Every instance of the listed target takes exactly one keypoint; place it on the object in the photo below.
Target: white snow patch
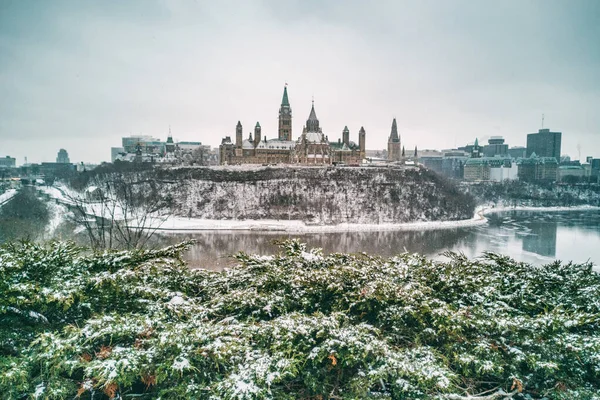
(6, 196)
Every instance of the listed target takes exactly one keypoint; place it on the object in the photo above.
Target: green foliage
(296, 325)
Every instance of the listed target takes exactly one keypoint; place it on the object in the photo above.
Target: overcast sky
(80, 75)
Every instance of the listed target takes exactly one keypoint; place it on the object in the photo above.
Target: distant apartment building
(147, 144)
(490, 169)
(495, 147)
(453, 163)
(544, 144)
(62, 157)
(449, 163)
(144, 148)
(8, 162)
(594, 167)
(537, 168)
(567, 172)
(432, 159)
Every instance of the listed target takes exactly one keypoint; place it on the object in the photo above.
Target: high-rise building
(544, 144)
(394, 149)
(62, 157)
(8, 161)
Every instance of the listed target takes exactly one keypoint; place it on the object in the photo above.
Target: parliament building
(311, 148)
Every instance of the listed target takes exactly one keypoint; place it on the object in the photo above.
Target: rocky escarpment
(314, 195)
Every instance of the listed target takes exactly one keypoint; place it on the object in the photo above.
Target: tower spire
(285, 117)
(284, 100)
(394, 134)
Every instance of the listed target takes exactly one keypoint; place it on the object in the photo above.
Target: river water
(536, 237)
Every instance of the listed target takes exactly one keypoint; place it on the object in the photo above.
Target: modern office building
(8, 162)
(495, 147)
(544, 143)
(517, 152)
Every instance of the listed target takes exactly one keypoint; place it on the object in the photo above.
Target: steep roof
(394, 134)
(313, 114)
(284, 100)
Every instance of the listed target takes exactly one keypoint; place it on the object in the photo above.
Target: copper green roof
(285, 101)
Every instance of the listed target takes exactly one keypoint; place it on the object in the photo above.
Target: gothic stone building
(311, 148)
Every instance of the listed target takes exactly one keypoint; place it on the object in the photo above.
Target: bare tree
(120, 210)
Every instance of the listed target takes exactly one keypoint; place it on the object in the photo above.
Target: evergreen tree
(142, 325)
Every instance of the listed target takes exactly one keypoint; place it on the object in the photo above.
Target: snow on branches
(300, 324)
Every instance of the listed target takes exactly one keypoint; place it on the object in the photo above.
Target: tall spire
(394, 134)
(285, 117)
(313, 114)
(285, 101)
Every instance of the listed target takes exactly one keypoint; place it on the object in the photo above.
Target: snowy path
(6, 196)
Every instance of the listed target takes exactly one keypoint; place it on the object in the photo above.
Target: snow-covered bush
(299, 324)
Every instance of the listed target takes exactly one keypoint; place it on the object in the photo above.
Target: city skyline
(80, 76)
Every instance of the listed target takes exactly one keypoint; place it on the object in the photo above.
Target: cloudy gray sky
(82, 74)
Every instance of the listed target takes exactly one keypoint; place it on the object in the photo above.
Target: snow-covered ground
(181, 224)
(6, 196)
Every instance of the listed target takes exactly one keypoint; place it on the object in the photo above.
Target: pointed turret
(257, 137)
(312, 123)
(362, 142)
(238, 135)
(346, 136)
(170, 145)
(394, 134)
(394, 151)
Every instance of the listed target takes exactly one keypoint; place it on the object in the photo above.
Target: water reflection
(535, 237)
(541, 239)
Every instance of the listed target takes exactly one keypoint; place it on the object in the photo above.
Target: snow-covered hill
(313, 195)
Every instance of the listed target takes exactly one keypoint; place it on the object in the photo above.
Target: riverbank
(180, 224)
(183, 225)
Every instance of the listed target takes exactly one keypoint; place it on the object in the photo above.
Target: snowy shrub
(297, 325)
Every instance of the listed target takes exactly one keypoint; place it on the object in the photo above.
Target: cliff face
(314, 195)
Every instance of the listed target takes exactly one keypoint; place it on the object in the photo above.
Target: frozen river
(532, 236)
